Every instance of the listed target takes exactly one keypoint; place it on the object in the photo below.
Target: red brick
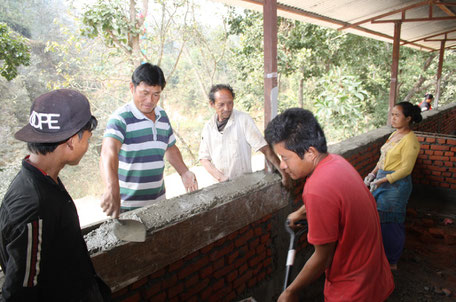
(450, 239)
(439, 169)
(244, 238)
(264, 238)
(258, 231)
(222, 272)
(240, 288)
(244, 229)
(243, 268)
(222, 252)
(207, 249)
(139, 283)
(453, 149)
(430, 139)
(175, 290)
(254, 261)
(121, 292)
(438, 153)
(420, 138)
(451, 180)
(206, 293)
(436, 232)
(219, 263)
(425, 147)
(233, 236)
(448, 164)
(444, 185)
(191, 281)
(193, 267)
(157, 274)
(441, 141)
(171, 281)
(451, 142)
(218, 285)
(191, 256)
(206, 272)
(443, 158)
(220, 295)
(427, 162)
(232, 257)
(436, 173)
(176, 265)
(252, 282)
(230, 297)
(220, 242)
(159, 298)
(440, 147)
(243, 279)
(231, 276)
(153, 289)
(449, 153)
(134, 298)
(195, 289)
(254, 243)
(266, 218)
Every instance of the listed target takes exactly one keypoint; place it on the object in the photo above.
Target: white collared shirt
(231, 150)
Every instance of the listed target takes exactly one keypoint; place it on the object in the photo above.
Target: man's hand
(288, 296)
(190, 182)
(110, 204)
(296, 216)
(377, 183)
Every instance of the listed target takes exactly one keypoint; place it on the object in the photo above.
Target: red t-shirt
(341, 209)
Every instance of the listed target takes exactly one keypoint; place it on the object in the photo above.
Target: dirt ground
(427, 268)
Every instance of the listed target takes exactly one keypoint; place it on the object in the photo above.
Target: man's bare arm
(174, 157)
(275, 161)
(216, 173)
(109, 164)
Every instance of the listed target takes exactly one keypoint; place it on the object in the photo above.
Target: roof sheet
(424, 23)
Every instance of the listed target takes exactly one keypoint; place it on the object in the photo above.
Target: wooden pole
(394, 69)
(439, 74)
(270, 60)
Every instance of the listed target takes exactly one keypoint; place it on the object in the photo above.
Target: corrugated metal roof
(424, 23)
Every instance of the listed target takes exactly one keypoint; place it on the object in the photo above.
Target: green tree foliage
(14, 52)
(342, 77)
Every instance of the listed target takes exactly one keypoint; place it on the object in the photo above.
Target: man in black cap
(42, 251)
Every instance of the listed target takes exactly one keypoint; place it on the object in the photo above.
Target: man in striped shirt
(138, 137)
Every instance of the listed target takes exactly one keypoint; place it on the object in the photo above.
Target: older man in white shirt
(228, 138)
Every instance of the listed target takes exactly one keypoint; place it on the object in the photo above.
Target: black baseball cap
(56, 116)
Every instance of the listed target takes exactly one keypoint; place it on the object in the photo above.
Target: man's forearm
(211, 169)
(271, 157)
(314, 267)
(174, 157)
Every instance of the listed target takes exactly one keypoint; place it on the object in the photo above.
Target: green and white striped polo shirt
(141, 157)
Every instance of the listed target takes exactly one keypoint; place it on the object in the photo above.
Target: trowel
(129, 230)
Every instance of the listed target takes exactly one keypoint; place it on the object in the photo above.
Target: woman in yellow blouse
(391, 182)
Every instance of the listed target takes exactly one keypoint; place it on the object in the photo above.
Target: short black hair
(45, 148)
(408, 109)
(428, 96)
(219, 87)
(298, 129)
(150, 74)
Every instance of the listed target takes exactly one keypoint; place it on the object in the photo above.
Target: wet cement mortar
(179, 208)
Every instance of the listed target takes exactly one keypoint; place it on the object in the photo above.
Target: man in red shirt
(343, 221)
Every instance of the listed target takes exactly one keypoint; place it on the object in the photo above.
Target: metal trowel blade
(129, 230)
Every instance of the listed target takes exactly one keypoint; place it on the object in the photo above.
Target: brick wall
(220, 271)
(436, 163)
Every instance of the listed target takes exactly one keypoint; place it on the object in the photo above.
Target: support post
(270, 60)
(394, 69)
(271, 90)
(439, 75)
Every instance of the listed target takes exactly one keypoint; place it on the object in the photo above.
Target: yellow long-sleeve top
(401, 157)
